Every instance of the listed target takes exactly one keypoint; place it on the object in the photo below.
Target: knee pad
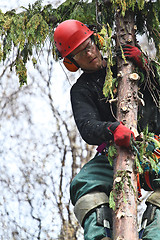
(95, 201)
(93, 213)
(154, 198)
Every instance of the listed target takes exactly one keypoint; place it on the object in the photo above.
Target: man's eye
(88, 46)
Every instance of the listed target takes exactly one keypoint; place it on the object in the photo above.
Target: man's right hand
(122, 134)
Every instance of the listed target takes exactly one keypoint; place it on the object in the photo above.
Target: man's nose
(89, 53)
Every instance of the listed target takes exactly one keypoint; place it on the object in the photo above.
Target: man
(91, 187)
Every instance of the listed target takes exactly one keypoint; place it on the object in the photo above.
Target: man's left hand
(134, 54)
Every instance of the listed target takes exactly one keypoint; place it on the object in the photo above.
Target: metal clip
(104, 216)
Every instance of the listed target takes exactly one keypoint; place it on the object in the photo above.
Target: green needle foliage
(25, 33)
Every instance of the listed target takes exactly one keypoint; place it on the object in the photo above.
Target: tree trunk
(125, 182)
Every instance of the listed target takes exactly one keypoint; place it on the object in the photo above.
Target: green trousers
(97, 175)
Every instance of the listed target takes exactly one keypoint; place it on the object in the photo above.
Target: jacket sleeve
(87, 117)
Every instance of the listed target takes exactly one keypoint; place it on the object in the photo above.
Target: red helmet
(69, 35)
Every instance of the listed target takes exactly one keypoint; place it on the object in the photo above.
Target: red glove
(135, 54)
(121, 133)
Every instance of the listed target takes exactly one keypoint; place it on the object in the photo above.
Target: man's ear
(70, 65)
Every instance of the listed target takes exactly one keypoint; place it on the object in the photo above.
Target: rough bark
(125, 215)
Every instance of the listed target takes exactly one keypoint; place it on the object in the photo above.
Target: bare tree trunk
(125, 183)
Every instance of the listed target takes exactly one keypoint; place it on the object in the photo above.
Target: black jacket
(93, 114)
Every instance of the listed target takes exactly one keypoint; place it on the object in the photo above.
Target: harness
(145, 180)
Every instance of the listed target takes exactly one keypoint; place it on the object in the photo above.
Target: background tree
(41, 153)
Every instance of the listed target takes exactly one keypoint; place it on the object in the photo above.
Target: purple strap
(101, 147)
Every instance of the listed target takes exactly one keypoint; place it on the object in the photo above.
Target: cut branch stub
(134, 77)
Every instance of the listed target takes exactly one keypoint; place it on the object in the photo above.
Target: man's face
(88, 56)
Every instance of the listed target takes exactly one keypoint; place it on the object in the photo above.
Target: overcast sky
(16, 4)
